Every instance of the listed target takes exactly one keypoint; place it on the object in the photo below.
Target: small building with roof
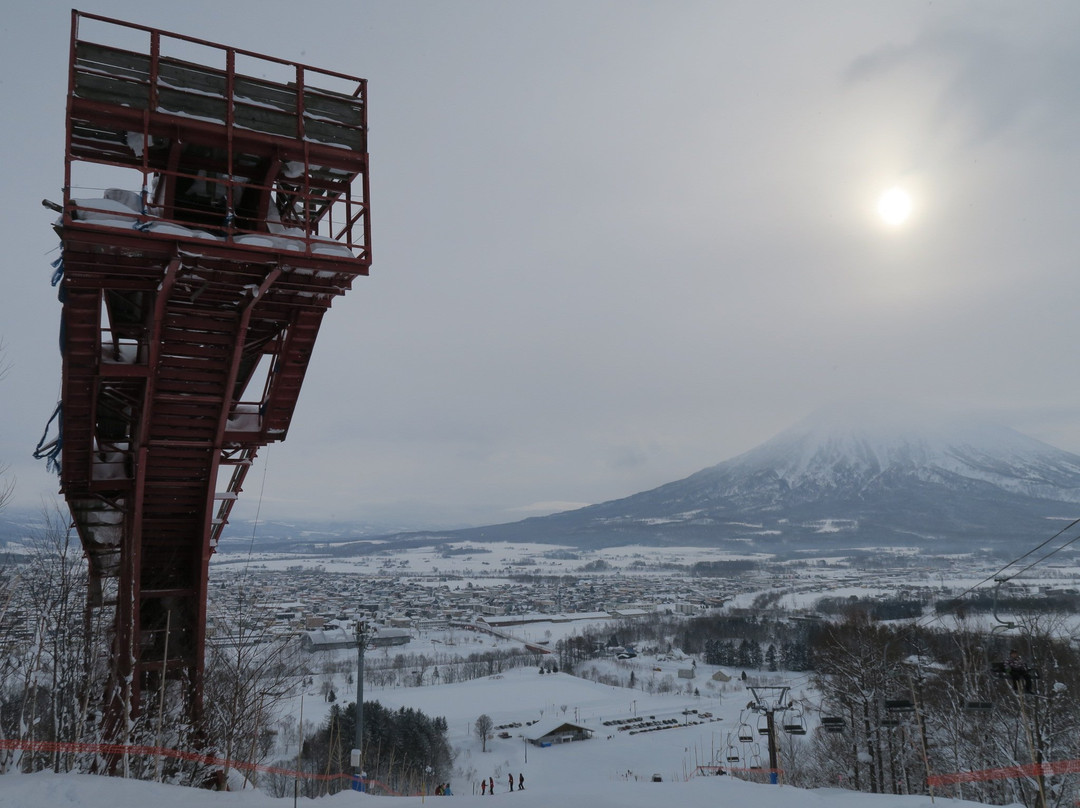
(327, 639)
(555, 730)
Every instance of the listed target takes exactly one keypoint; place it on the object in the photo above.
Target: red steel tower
(215, 204)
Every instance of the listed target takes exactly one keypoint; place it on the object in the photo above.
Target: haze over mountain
(836, 481)
(839, 480)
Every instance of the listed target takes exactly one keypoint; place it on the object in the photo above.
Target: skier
(510, 777)
(1019, 675)
(483, 787)
(491, 786)
(521, 782)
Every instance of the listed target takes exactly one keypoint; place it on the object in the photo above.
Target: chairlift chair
(794, 724)
(763, 725)
(832, 723)
(746, 734)
(1001, 671)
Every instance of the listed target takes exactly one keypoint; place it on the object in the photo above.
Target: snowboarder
(510, 777)
(491, 786)
(1019, 675)
(483, 787)
(521, 782)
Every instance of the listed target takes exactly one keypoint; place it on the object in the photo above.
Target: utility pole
(769, 700)
(358, 738)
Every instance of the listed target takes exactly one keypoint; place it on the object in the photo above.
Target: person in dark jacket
(510, 778)
(491, 786)
(1019, 675)
(521, 782)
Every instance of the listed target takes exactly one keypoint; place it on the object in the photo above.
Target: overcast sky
(617, 242)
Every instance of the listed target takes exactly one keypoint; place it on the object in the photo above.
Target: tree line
(403, 750)
(921, 701)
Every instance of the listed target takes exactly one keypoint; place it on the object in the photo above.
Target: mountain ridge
(832, 482)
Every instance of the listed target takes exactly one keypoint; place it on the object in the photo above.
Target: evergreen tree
(770, 658)
(398, 746)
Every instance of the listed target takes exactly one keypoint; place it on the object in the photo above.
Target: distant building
(334, 639)
(628, 613)
(545, 733)
(330, 639)
(383, 637)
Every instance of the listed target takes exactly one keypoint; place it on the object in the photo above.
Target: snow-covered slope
(830, 451)
(88, 791)
(604, 772)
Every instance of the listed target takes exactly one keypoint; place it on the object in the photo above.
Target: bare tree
(7, 481)
(7, 486)
(249, 674)
(482, 728)
(49, 669)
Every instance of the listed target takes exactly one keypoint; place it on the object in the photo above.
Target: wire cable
(997, 575)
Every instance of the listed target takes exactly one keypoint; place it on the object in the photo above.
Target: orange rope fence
(757, 774)
(112, 749)
(1005, 772)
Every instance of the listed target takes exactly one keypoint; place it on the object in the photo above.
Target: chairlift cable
(1037, 548)
(258, 506)
(998, 574)
(1052, 552)
(255, 524)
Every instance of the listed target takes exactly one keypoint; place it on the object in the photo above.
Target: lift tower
(215, 204)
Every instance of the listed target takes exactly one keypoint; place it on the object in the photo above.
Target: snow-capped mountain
(837, 480)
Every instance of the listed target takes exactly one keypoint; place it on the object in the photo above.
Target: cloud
(618, 243)
(544, 508)
(995, 76)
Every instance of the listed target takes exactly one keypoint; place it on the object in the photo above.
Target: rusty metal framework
(215, 204)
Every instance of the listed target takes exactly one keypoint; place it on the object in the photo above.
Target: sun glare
(894, 206)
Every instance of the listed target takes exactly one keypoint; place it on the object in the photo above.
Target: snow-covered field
(87, 791)
(612, 768)
(547, 559)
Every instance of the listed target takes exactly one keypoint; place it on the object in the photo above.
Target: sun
(894, 206)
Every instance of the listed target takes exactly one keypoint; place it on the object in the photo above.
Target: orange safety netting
(1005, 772)
(116, 750)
